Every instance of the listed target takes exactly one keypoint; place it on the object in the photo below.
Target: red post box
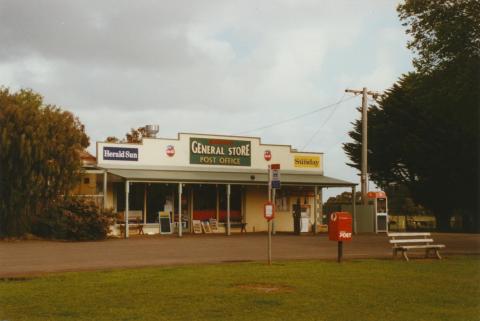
(340, 227)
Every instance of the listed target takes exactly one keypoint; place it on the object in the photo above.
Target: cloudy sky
(223, 67)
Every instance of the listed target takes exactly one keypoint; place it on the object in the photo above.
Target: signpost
(275, 176)
(269, 211)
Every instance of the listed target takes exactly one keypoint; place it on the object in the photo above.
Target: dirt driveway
(35, 257)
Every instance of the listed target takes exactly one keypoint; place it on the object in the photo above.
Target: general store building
(210, 177)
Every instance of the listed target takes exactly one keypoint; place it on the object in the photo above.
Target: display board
(165, 223)
(197, 226)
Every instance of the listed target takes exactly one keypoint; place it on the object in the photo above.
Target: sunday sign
(212, 151)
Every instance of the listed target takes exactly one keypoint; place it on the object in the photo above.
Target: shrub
(74, 219)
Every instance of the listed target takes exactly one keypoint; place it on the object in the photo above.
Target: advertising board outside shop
(302, 161)
(213, 151)
(120, 153)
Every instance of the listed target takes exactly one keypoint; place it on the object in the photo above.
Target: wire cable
(323, 124)
(296, 117)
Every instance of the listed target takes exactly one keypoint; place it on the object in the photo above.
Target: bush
(74, 219)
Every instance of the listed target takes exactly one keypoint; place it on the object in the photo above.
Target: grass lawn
(300, 290)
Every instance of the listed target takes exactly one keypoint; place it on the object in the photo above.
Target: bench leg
(404, 252)
(394, 253)
(438, 254)
(427, 252)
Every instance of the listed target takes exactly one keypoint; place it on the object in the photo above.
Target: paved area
(37, 257)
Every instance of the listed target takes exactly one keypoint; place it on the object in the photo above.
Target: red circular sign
(267, 155)
(170, 150)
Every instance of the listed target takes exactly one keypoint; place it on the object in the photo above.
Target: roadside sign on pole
(269, 211)
(275, 176)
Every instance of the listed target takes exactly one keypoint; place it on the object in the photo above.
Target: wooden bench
(235, 224)
(409, 241)
(135, 221)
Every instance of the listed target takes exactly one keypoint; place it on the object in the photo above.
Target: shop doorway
(164, 198)
(210, 202)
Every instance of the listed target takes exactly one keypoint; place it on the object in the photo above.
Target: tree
(134, 136)
(343, 198)
(443, 31)
(39, 157)
(423, 133)
(112, 139)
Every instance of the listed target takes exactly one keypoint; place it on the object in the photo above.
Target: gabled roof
(88, 160)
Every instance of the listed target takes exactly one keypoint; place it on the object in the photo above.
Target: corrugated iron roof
(237, 177)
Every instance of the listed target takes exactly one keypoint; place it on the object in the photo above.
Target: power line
(296, 117)
(323, 124)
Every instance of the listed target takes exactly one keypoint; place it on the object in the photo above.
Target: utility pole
(364, 168)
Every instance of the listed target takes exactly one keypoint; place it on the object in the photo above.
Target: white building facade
(211, 178)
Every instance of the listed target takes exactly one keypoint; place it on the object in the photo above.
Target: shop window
(161, 198)
(205, 197)
(204, 202)
(235, 197)
(135, 199)
(235, 203)
(381, 205)
(282, 203)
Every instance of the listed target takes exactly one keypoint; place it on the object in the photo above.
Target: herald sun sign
(269, 211)
(340, 226)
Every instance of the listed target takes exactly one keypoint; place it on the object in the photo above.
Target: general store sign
(307, 161)
(212, 151)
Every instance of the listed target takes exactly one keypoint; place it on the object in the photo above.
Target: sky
(215, 67)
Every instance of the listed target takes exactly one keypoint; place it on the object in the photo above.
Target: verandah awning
(240, 177)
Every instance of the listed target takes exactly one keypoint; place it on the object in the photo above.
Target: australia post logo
(345, 235)
(120, 153)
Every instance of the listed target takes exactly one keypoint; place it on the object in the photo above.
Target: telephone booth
(380, 206)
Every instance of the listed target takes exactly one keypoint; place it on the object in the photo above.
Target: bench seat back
(410, 241)
(408, 234)
(133, 216)
(405, 239)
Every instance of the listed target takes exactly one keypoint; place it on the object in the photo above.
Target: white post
(127, 192)
(145, 204)
(179, 210)
(105, 189)
(228, 209)
(190, 210)
(354, 210)
(274, 230)
(217, 204)
(320, 205)
(315, 210)
(269, 224)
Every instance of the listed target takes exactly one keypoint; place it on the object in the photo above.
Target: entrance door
(235, 203)
(210, 202)
(204, 202)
